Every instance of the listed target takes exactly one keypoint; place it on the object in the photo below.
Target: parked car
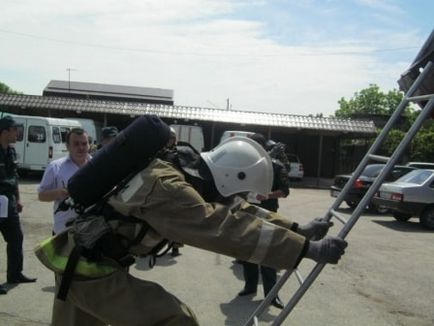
(363, 182)
(411, 195)
(421, 165)
(296, 171)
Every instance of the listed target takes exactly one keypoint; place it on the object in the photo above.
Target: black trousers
(10, 228)
(251, 277)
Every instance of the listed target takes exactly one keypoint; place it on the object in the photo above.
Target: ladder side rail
(379, 140)
(316, 270)
(270, 296)
(357, 212)
(360, 208)
(366, 159)
(374, 187)
(423, 116)
(373, 149)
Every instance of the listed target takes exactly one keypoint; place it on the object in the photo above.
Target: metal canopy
(297, 122)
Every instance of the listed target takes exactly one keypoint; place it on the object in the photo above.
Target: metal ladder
(348, 223)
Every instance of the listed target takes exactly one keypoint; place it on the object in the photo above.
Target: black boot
(175, 252)
(246, 292)
(277, 303)
(20, 278)
(3, 290)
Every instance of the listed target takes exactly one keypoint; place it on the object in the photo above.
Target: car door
(36, 147)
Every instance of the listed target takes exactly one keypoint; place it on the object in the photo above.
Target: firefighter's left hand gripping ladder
(424, 76)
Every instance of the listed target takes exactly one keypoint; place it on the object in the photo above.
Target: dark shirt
(9, 175)
(280, 182)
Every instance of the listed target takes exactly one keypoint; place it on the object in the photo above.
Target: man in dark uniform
(108, 134)
(280, 189)
(10, 226)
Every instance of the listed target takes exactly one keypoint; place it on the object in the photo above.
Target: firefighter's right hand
(326, 251)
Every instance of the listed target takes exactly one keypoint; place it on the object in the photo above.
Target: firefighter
(101, 291)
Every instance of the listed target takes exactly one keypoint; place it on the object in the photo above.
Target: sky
(293, 57)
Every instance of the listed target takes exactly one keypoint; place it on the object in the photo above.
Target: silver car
(411, 195)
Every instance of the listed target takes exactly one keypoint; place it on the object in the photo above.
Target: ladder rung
(420, 98)
(340, 217)
(379, 158)
(299, 276)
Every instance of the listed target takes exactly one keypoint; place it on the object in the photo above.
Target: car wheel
(352, 203)
(427, 218)
(379, 209)
(402, 217)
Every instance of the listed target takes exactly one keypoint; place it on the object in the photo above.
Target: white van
(41, 140)
(190, 134)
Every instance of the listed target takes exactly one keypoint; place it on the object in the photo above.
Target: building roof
(108, 91)
(190, 113)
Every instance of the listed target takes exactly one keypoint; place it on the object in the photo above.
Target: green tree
(422, 148)
(5, 89)
(369, 101)
(391, 142)
(372, 101)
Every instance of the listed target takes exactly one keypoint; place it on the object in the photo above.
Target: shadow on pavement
(48, 289)
(30, 177)
(9, 286)
(142, 263)
(409, 226)
(239, 309)
(237, 270)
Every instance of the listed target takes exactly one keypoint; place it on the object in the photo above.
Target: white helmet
(240, 164)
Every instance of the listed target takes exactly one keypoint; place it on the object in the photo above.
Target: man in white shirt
(56, 176)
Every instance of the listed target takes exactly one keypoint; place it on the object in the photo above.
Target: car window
(57, 138)
(372, 170)
(36, 134)
(63, 132)
(416, 176)
(20, 134)
(398, 172)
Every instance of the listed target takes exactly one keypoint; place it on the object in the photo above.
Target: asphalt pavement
(385, 278)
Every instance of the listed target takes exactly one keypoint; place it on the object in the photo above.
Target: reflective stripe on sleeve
(236, 203)
(265, 237)
(262, 213)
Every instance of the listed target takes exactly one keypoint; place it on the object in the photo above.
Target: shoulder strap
(69, 273)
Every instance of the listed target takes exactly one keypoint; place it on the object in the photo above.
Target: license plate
(335, 193)
(384, 195)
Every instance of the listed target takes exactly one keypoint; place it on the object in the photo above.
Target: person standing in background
(58, 172)
(280, 189)
(171, 146)
(10, 226)
(108, 134)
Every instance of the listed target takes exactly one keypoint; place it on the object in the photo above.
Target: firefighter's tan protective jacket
(160, 196)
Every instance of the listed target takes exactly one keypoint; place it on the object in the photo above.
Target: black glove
(326, 251)
(315, 229)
